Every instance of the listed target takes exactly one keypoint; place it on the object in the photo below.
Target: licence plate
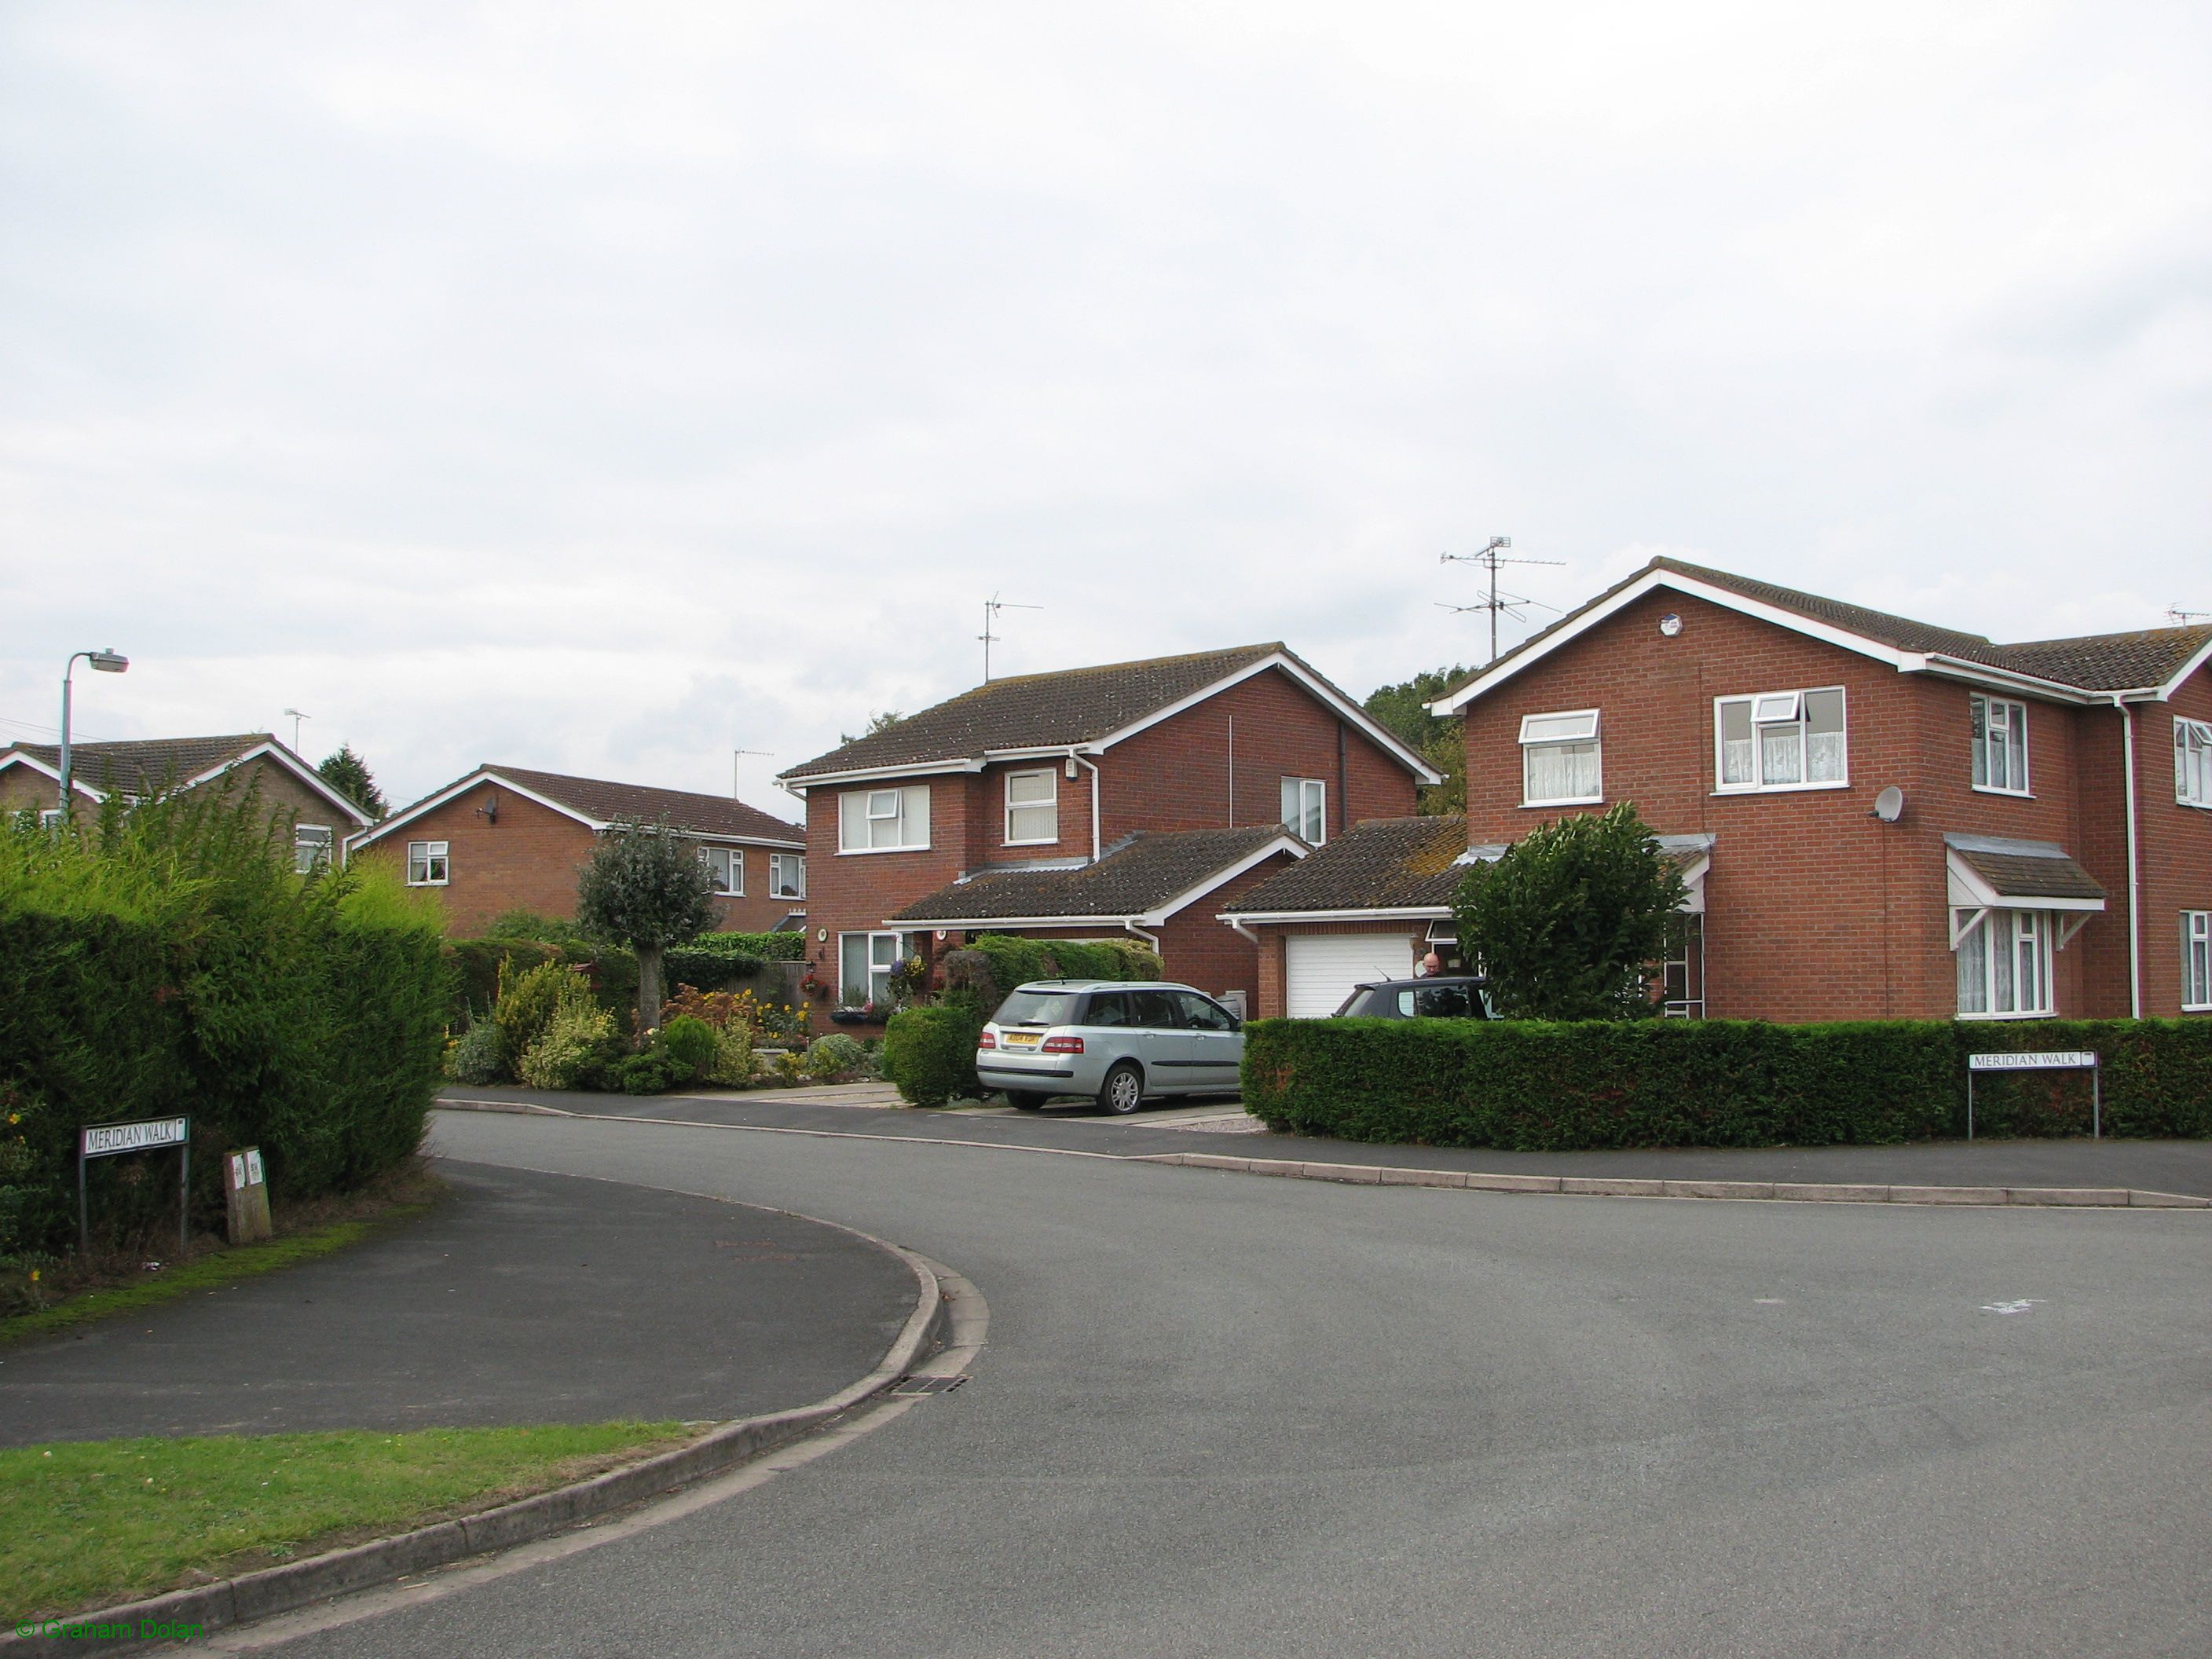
(1022, 1039)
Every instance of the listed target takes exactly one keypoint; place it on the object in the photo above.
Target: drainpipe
(1239, 924)
(1077, 760)
(2135, 928)
(1152, 939)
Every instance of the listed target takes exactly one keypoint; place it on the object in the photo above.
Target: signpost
(112, 1139)
(245, 1186)
(2050, 1060)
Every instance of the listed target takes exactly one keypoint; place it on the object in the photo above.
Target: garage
(1322, 967)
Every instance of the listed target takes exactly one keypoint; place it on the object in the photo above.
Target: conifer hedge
(1536, 1085)
(168, 959)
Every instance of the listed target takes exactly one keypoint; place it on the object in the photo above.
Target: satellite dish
(1889, 806)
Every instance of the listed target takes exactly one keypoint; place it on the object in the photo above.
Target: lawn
(86, 1524)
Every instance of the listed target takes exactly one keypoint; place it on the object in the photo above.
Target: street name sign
(2043, 1060)
(112, 1139)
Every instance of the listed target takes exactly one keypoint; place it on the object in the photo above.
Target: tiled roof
(2091, 662)
(1384, 864)
(144, 766)
(1037, 711)
(2024, 869)
(1134, 881)
(702, 815)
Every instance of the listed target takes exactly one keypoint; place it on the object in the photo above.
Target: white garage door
(1324, 967)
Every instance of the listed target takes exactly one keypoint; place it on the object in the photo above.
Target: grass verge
(87, 1524)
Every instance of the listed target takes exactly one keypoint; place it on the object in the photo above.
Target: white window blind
(882, 820)
(1560, 763)
(1032, 807)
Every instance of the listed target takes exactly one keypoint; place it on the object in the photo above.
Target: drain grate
(927, 1384)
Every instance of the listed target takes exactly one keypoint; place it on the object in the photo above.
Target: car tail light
(1063, 1045)
(987, 1041)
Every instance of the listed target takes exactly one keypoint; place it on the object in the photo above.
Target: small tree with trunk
(645, 886)
(348, 774)
(1570, 921)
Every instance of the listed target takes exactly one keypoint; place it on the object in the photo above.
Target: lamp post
(110, 661)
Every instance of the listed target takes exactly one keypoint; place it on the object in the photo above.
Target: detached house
(321, 818)
(1131, 800)
(511, 838)
(1876, 817)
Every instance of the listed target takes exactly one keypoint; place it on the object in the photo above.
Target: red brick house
(2052, 854)
(142, 768)
(1130, 800)
(511, 838)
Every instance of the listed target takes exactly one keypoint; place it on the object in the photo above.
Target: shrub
(1010, 960)
(930, 1053)
(643, 886)
(826, 1056)
(765, 947)
(651, 1073)
(575, 1048)
(1548, 1086)
(689, 1040)
(732, 1064)
(531, 927)
(526, 1005)
(475, 1057)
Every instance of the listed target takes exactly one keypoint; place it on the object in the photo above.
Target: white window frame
(1775, 703)
(2197, 962)
(1534, 736)
(436, 862)
(877, 969)
(1307, 797)
(1050, 802)
(904, 806)
(1984, 711)
(325, 853)
(730, 878)
(49, 817)
(780, 884)
(2193, 762)
(2031, 932)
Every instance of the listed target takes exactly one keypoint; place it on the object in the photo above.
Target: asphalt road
(1225, 1415)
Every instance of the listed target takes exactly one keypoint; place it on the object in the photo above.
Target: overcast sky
(607, 388)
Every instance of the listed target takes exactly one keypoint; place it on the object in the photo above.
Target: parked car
(1444, 996)
(1118, 1041)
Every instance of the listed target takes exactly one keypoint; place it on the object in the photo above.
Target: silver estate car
(1118, 1041)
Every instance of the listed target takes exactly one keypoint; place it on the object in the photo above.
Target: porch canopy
(1999, 873)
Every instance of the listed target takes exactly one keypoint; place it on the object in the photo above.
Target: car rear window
(1036, 1008)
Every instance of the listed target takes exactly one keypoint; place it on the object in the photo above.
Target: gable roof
(1150, 875)
(1383, 864)
(597, 802)
(2143, 665)
(1087, 708)
(142, 767)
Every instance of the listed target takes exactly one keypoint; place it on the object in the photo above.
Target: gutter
(1152, 939)
(1237, 923)
(2135, 923)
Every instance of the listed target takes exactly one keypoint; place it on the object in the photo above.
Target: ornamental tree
(1570, 921)
(348, 774)
(644, 887)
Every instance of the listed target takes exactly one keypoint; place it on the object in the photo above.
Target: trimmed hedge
(1015, 960)
(930, 1053)
(767, 947)
(1532, 1085)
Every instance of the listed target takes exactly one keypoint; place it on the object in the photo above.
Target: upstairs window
(311, 848)
(1780, 740)
(1999, 745)
(884, 820)
(2196, 960)
(1305, 809)
(2193, 762)
(2004, 966)
(425, 864)
(786, 875)
(1032, 808)
(1561, 764)
(727, 866)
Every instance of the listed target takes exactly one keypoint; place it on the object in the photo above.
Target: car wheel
(1022, 1101)
(1123, 1092)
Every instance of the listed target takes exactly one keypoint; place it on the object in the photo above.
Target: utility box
(246, 1190)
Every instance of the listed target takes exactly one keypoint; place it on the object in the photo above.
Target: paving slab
(520, 1298)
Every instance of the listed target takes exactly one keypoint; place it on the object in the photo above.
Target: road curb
(1787, 1192)
(297, 1583)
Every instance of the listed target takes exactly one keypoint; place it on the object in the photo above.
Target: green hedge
(1537, 1086)
(169, 960)
(930, 1053)
(769, 947)
(475, 964)
(1015, 961)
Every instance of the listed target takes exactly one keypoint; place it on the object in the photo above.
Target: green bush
(764, 947)
(930, 1053)
(1013, 961)
(691, 1040)
(1549, 1086)
(526, 1005)
(651, 1073)
(575, 1048)
(529, 925)
(826, 1056)
(475, 1058)
(732, 1064)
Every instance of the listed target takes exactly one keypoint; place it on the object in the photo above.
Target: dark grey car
(1444, 996)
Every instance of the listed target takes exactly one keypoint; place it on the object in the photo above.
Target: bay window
(1305, 809)
(1560, 761)
(2193, 762)
(2004, 965)
(1032, 807)
(2000, 742)
(2196, 960)
(884, 820)
(1780, 740)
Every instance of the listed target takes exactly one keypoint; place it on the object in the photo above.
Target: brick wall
(23, 787)
(2175, 861)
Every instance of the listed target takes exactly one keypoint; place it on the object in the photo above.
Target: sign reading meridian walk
(2050, 1060)
(104, 1139)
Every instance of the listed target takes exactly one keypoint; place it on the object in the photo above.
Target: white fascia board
(1937, 663)
(292, 764)
(53, 773)
(984, 924)
(2164, 693)
(1396, 913)
(1045, 752)
(912, 769)
(1283, 843)
(1350, 711)
(719, 838)
(484, 775)
(1649, 582)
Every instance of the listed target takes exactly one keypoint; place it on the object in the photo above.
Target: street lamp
(110, 661)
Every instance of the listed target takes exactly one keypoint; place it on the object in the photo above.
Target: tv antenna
(2188, 618)
(296, 718)
(738, 768)
(1510, 604)
(992, 607)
